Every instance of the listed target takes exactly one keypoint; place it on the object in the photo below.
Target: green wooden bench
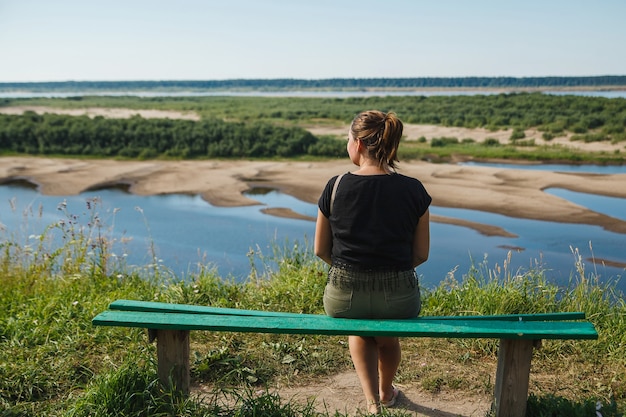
(170, 325)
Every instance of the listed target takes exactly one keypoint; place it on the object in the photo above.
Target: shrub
(517, 134)
(442, 142)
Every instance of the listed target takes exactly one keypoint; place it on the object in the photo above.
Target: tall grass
(54, 362)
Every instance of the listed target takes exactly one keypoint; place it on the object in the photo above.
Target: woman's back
(374, 218)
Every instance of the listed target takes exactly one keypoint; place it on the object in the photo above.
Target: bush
(491, 142)
(590, 137)
(517, 134)
(442, 142)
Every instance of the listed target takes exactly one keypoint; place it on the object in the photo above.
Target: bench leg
(173, 358)
(512, 376)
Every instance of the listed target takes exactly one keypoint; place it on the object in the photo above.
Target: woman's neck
(373, 169)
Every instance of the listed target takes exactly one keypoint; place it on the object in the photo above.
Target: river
(183, 232)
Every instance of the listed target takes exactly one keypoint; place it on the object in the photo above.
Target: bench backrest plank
(151, 306)
(324, 325)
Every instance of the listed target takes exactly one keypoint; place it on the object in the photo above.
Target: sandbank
(510, 192)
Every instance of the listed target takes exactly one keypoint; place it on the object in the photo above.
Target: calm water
(586, 168)
(187, 231)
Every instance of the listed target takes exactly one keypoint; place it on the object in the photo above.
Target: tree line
(136, 137)
(324, 84)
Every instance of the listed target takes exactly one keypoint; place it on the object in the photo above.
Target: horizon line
(216, 80)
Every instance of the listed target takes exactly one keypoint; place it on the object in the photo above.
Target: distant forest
(605, 81)
(53, 134)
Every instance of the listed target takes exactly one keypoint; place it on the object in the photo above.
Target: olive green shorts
(372, 294)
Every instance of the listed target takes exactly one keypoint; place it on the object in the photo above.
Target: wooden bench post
(512, 377)
(173, 358)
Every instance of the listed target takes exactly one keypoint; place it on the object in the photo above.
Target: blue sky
(47, 40)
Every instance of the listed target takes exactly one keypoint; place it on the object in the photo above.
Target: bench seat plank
(152, 306)
(324, 325)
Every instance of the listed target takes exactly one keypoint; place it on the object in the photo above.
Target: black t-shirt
(374, 218)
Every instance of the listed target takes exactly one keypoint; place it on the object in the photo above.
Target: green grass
(54, 362)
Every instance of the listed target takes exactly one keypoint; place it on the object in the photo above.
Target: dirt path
(342, 393)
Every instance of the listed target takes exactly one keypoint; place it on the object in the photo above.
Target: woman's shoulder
(406, 178)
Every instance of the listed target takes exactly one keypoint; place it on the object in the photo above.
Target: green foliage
(53, 134)
(591, 137)
(548, 113)
(328, 146)
(267, 127)
(491, 142)
(517, 134)
(134, 391)
(553, 406)
(441, 142)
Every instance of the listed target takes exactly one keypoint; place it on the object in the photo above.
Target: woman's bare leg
(364, 353)
(389, 355)
(376, 360)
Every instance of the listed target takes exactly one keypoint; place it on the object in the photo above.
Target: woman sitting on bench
(373, 230)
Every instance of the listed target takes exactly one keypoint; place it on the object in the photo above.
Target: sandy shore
(515, 193)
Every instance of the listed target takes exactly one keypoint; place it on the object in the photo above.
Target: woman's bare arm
(421, 241)
(323, 238)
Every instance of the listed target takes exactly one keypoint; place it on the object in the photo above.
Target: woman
(373, 230)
